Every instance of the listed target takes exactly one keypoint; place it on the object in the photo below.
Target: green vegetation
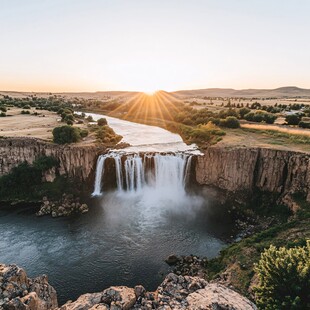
(284, 278)
(239, 259)
(66, 134)
(293, 119)
(230, 122)
(303, 124)
(24, 112)
(202, 135)
(102, 122)
(106, 135)
(283, 136)
(24, 182)
(260, 116)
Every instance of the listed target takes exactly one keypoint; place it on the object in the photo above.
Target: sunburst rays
(157, 108)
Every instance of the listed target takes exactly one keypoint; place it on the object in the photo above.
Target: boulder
(19, 292)
(217, 296)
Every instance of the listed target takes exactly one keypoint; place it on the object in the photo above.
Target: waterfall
(167, 173)
(99, 173)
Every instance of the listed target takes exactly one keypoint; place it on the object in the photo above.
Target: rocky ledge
(64, 207)
(17, 292)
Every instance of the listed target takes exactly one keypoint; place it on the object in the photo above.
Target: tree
(293, 119)
(102, 122)
(66, 134)
(230, 122)
(284, 278)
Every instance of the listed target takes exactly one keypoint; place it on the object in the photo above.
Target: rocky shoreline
(66, 206)
(18, 292)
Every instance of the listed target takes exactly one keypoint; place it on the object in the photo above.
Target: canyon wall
(74, 160)
(243, 169)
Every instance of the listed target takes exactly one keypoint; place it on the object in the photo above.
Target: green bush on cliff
(284, 278)
(66, 134)
(23, 180)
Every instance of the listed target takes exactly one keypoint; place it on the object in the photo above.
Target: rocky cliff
(176, 292)
(19, 292)
(243, 169)
(74, 160)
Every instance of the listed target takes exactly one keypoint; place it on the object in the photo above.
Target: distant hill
(289, 91)
(282, 92)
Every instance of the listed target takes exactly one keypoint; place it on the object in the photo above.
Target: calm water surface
(123, 240)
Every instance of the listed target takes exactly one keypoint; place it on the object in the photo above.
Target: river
(127, 234)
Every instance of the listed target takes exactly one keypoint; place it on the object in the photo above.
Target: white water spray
(167, 173)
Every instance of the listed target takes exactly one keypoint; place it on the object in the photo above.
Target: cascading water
(167, 173)
(99, 173)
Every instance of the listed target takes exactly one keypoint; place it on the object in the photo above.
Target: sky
(147, 45)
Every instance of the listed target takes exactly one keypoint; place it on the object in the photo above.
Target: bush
(102, 122)
(23, 181)
(3, 109)
(284, 278)
(244, 111)
(106, 134)
(2, 114)
(293, 119)
(304, 124)
(66, 134)
(24, 112)
(83, 133)
(260, 116)
(90, 118)
(230, 122)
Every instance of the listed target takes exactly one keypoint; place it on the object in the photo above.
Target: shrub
(2, 114)
(66, 134)
(3, 109)
(304, 124)
(44, 163)
(83, 133)
(106, 134)
(293, 119)
(260, 116)
(284, 278)
(230, 122)
(244, 111)
(90, 118)
(24, 112)
(102, 122)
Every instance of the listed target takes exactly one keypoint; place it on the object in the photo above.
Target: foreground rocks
(176, 292)
(18, 292)
(64, 207)
(187, 265)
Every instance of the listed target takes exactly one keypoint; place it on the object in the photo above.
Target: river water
(126, 235)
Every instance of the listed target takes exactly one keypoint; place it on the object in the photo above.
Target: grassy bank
(235, 263)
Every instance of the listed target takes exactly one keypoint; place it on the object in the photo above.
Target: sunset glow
(150, 45)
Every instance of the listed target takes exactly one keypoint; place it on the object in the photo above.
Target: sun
(150, 92)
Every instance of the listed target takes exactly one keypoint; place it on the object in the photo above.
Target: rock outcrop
(64, 207)
(74, 160)
(18, 292)
(176, 292)
(244, 169)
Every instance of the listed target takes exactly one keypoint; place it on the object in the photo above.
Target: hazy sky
(89, 45)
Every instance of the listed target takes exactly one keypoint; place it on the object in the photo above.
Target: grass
(286, 137)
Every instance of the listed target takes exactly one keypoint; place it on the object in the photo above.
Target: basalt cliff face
(248, 170)
(74, 161)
